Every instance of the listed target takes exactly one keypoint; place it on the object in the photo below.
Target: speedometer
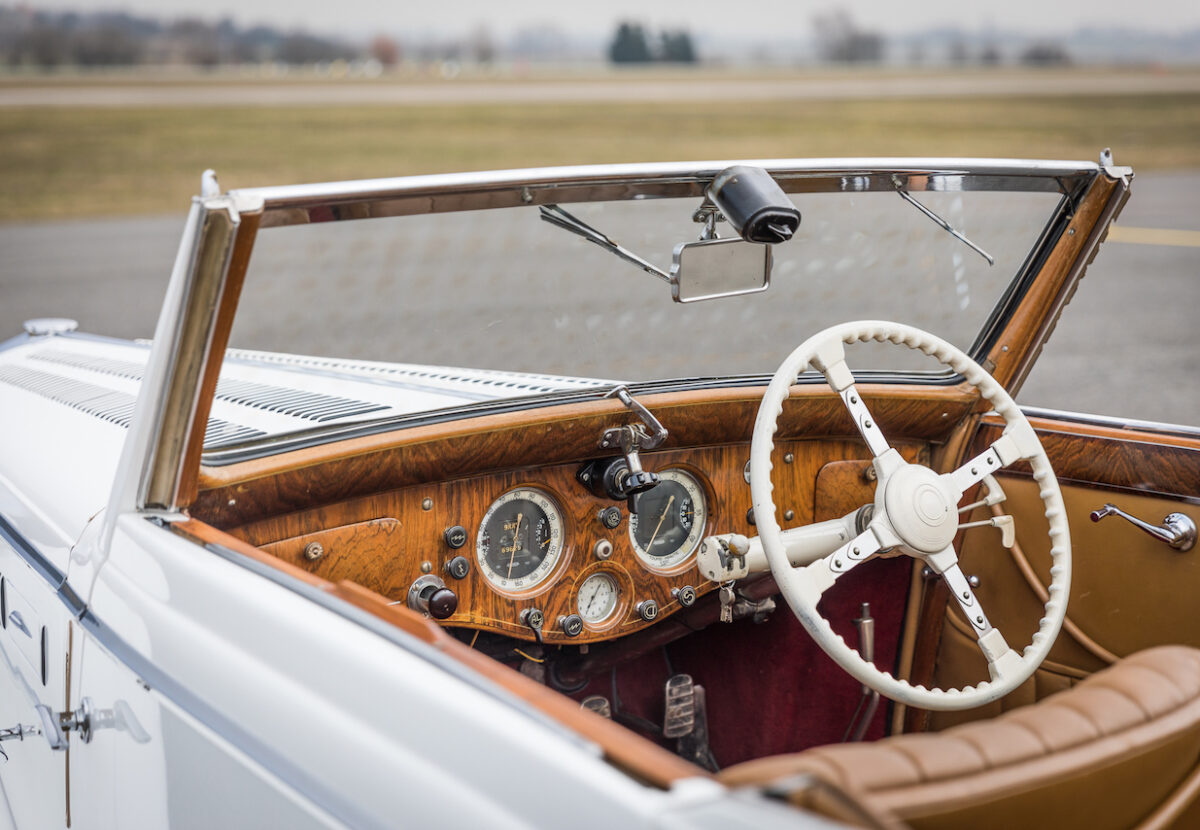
(520, 540)
(670, 520)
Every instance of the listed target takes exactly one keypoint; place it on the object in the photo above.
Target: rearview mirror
(712, 268)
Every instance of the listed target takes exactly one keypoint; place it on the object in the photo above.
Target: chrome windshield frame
(204, 289)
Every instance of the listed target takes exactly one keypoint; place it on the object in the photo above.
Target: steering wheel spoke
(960, 589)
(855, 552)
(867, 426)
(976, 470)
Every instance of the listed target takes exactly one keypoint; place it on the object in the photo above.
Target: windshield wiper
(560, 218)
(906, 196)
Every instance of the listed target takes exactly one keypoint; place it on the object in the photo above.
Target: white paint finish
(384, 729)
(34, 777)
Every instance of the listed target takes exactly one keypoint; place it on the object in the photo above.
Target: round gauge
(520, 540)
(597, 598)
(669, 521)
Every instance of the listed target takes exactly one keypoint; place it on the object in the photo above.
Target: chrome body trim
(1159, 428)
(334, 201)
(189, 354)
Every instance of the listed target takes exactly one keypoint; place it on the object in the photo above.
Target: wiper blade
(906, 196)
(560, 218)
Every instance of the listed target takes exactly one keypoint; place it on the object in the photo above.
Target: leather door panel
(1129, 591)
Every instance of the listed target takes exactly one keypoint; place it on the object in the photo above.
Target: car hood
(70, 399)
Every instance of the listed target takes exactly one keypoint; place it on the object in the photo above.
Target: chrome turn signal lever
(1178, 530)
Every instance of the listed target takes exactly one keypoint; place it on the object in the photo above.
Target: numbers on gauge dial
(597, 598)
(520, 540)
(670, 520)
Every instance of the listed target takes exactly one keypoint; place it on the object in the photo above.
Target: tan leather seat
(1104, 754)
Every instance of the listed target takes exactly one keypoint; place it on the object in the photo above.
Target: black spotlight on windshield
(754, 204)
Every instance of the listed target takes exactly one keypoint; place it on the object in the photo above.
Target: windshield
(443, 311)
(501, 289)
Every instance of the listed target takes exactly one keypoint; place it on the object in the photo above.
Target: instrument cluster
(568, 568)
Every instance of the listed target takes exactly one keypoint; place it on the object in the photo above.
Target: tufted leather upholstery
(1104, 754)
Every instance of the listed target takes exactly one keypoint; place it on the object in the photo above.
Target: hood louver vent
(109, 405)
(313, 406)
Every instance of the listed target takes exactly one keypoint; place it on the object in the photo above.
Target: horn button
(921, 509)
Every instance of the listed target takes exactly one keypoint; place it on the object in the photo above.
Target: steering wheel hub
(920, 509)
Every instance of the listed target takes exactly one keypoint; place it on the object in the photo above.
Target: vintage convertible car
(616, 573)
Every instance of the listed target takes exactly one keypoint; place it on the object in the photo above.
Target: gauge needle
(516, 543)
(661, 518)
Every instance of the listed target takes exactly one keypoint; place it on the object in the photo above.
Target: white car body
(221, 692)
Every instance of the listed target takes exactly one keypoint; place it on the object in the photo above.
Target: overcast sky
(768, 19)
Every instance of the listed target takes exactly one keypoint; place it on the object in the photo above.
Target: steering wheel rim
(928, 502)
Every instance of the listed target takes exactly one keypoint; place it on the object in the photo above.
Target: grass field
(60, 162)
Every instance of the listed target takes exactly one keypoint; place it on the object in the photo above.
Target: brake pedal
(686, 720)
(680, 717)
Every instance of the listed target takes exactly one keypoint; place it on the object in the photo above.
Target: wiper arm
(906, 196)
(560, 218)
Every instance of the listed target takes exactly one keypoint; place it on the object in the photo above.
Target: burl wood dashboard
(387, 511)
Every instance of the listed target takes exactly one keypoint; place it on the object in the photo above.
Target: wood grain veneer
(416, 486)
(242, 493)
(381, 541)
(1014, 351)
(1122, 459)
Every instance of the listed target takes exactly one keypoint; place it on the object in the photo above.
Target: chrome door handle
(1177, 530)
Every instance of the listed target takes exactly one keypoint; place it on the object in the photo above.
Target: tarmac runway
(1126, 346)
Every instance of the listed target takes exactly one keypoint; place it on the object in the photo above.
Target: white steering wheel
(916, 512)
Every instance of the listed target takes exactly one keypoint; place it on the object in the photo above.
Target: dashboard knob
(458, 567)
(571, 625)
(429, 595)
(442, 603)
(647, 609)
(686, 596)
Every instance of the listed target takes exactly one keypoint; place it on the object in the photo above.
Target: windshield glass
(503, 290)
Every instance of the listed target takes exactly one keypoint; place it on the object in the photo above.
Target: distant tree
(1045, 54)
(990, 56)
(300, 48)
(198, 41)
(482, 46)
(385, 50)
(676, 47)
(45, 46)
(106, 45)
(839, 40)
(958, 52)
(630, 45)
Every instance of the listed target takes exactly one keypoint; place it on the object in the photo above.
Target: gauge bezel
(682, 558)
(625, 590)
(613, 614)
(540, 578)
